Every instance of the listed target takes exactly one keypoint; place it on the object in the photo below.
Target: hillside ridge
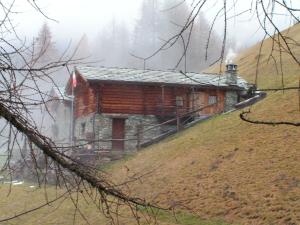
(226, 168)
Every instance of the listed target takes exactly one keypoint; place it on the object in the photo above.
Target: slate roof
(156, 77)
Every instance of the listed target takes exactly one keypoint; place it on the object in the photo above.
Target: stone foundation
(136, 127)
(231, 98)
(101, 126)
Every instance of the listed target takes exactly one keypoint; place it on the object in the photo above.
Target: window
(179, 101)
(212, 99)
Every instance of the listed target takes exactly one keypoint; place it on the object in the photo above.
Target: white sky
(77, 17)
(245, 28)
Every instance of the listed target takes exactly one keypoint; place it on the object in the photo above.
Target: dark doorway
(118, 132)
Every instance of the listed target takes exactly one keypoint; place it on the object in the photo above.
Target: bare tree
(264, 11)
(21, 78)
(21, 96)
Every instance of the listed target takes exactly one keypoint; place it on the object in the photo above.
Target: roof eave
(230, 87)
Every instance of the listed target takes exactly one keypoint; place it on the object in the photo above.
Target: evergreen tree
(101, 47)
(46, 52)
(172, 21)
(159, 21)
(111, 47)
(121, 45)
(146, 34)
(199, 55)
(45, 48)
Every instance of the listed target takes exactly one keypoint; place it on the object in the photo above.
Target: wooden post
(95, 144)
(193, 98)
(98, 87)
(177, 119)
(139, 135)
(163, 100)
(299, 94)
(138, 144)
(73, 119)
(144, 100)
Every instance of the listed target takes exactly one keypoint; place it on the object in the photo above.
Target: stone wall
(101, 126)
(103, 131)
(79, 132)
(231, 98)
(231, 78)
(138, 124)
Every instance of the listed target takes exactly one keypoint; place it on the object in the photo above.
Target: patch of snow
(11, 182)
(18, 183)
(14, 182)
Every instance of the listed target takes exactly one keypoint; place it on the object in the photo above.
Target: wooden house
(117, 107)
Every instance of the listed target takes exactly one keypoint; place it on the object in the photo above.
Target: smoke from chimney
(230, 56)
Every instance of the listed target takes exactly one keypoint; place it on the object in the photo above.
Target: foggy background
(108, 33)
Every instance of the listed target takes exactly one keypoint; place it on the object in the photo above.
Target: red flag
(74, 81)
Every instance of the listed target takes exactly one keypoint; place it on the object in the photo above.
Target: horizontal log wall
(219, 107)
(85, 99)
(138, 99)
(121, 99)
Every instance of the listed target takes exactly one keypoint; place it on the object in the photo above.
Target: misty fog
(119, 34)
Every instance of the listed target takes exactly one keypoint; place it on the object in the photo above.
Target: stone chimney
(231, 74)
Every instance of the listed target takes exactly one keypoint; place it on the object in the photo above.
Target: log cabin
(115, 106)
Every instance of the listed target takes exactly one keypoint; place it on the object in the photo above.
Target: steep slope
(226, 168)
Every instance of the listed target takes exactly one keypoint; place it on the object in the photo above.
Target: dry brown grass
(269, 73)
(226, 168)
(22, 198)
(19, 199)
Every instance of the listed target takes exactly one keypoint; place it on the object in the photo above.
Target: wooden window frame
(212, 99)
(179, 101)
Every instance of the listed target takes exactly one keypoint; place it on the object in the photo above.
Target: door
(118, 132)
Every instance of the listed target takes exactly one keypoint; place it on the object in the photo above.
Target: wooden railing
(180, 120)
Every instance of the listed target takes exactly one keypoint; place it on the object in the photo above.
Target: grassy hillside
(225, 168)
(19, 199)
